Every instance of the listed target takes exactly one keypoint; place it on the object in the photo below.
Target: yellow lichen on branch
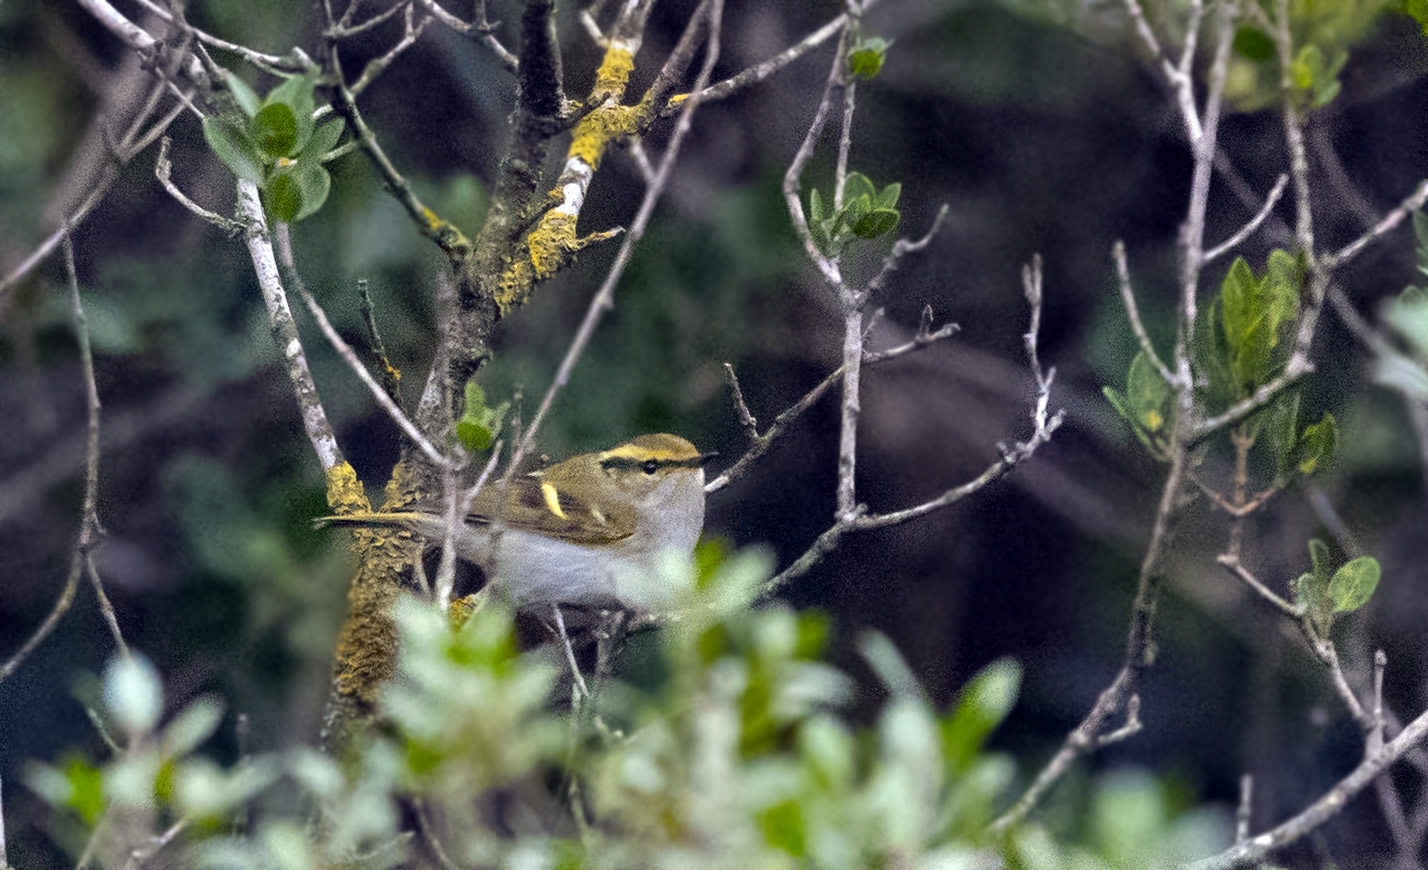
(553, 244)
(613, 74)
(345, 494)
(445, 234)
(602, 128)
(367, 644)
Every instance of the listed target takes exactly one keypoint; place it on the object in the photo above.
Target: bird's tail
(400, 519)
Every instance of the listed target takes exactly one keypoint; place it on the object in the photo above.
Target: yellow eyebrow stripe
(552, 498)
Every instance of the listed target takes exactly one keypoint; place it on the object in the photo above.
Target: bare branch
(760, 72)
(922, 339)
(446, 235)
(129, 146)
(859, 520)
(483, 27)
(285, 334)
(377, 65)
(1118, 253)
(162, 168)
(383, 398)
(1181, 83)
(61, 607)
(1254, 224)
(1234, 566)
(792, 179)
(1412, 203)
(1245, 810)
(1326, 807)
(751, 426)
(1242, 409)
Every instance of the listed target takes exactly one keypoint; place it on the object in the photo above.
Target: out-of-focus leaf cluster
(740, 753)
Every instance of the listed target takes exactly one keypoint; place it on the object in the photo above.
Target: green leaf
(1283, 427)
(878, 222)
(1237, 294)
(889, 665)
(193, 725)
(1420, 220)
(234, 148)
(86, 784)
(855, 185)
(1408, 316)
(1319, 558)
(133, 695)
(855, 208)
(890, 195)
(1397, 371)
(324, 139)
(315, 183)
(1311, 592)
(478, 424)
(1316, 446)
(784, 827)
(1283, 278)
(983, 704)
(1148, 392)
(815, 207)
(283, 196)
(865, 58)
(1418, 9)
(296, 94)
(1254, 44)
(1325, 95)
(275, 130)
(246, 98)
(1307, 67)
(1353, 584)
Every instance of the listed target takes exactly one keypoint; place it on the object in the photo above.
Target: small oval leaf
(275, 130)
(1353, 584)
(878, 222)
(234, 148)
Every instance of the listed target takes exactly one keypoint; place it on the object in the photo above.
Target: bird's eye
(650, 466)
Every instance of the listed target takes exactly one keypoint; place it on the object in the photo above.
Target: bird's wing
(532, 503)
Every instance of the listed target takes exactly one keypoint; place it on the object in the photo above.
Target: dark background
(1041, 128)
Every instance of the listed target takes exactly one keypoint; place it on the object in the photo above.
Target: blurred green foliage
(738, 755)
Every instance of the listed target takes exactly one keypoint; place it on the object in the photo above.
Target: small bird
(593, 531)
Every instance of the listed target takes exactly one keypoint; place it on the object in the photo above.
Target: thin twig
(604, 298)
(162, 169)
(377, 65)
(1118, 253)
(448, 237)
(1412, 203)
(780, 425)
(1234, 566)
(1254, 224)
(390, 376)
(793, 177)
(383, 399)
(1326, 807)
(1245, 811)
(90, 530)
(484, 28)
(61, 607)
(860, 520)
(428, 835)
(760, 72)
(751, 426)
